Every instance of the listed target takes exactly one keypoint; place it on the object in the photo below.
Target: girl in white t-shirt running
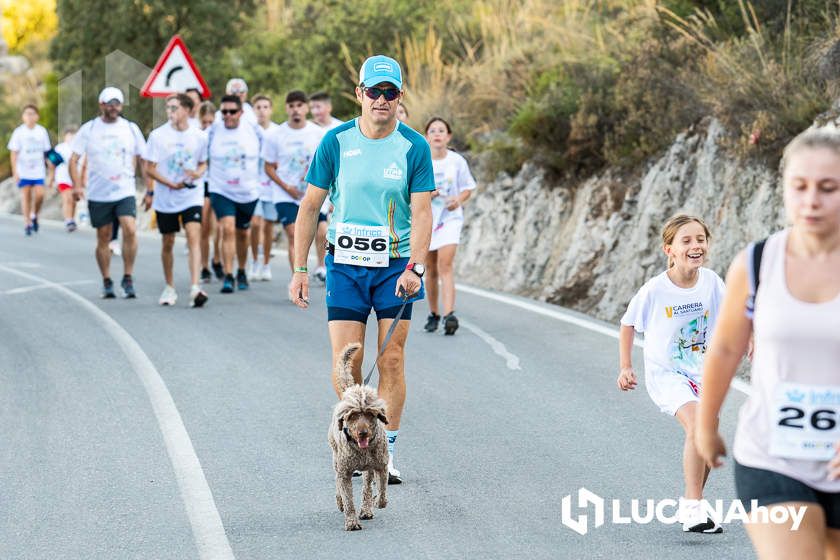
(453, 186)
(787, 444)
(677, 310)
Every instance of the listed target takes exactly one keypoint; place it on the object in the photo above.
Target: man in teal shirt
(379, 177)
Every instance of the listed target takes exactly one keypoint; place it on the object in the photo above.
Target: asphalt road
(135, 431)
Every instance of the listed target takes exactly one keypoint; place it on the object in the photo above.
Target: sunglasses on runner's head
(229, 111)
(375, 92)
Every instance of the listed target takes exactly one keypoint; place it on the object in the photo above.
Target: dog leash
(388, 336)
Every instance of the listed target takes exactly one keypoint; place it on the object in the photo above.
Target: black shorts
(170, 222)
(105, 213)
(206, 189)
(241, 211)
(769, 487)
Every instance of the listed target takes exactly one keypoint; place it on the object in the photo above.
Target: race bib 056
(361, 245)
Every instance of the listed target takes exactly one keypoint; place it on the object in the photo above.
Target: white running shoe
(265, 273)
(169, 296)
(394, 476)
(254, 271)
(321, 274)
(198, 297)
(695, 520)
(116, 247)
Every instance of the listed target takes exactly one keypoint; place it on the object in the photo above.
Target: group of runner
(780, 306)
(393, 204)
(392, 201)
(257, 182)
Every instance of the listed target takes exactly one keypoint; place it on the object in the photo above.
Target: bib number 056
(361, 245)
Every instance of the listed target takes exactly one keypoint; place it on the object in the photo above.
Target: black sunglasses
(229, 111)
(376, 92)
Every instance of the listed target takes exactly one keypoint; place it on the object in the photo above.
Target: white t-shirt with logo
(452, 177)
(292, 150)
(266, 184)
(110, 149)
(30, 145)
(677, 322)
(234, 155)
(175, 152)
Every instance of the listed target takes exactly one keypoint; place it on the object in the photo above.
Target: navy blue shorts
(242, 211)
(322, 217)
(352, 291)
(286, 213)
(30, 183)
(769, 487)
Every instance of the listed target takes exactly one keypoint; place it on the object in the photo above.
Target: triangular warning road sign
(175, 72)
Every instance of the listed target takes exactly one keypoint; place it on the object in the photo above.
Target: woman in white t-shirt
(27, 148)
(454, 184)
(788, 436)
(677, 310)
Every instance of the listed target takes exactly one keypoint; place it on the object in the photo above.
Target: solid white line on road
(512, 360)
(208, 531)
(26, 289)
(738, 384)
(22, 264)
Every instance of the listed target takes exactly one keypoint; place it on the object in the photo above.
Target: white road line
(512, 360)
(208, 531)
(738, 384)
(26, 289)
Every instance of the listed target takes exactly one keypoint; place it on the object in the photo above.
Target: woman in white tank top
(789, 429)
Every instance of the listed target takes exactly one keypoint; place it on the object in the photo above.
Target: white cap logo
(381, 66)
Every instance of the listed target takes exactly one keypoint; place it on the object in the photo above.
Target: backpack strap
(754, 252)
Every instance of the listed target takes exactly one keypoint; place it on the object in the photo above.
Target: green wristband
(301, 269)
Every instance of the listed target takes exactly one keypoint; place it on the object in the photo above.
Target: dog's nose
(363, 433)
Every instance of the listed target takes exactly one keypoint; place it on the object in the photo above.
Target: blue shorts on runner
(286, 213)
(352, 291)
(30, 183)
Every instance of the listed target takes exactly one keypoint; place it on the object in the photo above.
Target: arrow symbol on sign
(169, 74)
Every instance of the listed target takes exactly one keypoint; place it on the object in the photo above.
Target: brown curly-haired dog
(357, 438)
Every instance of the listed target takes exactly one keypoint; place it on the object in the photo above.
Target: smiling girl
(677, 310)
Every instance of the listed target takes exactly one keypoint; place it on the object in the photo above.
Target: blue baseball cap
(378, 69)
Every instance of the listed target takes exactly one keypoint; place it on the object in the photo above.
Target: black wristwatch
(417, 269)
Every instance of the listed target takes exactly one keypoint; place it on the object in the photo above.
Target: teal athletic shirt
(371, 181)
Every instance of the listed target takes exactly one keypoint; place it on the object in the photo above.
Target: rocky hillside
(590, 245)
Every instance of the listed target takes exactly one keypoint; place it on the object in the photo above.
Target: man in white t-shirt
(287, 154)
(265, 215)
(238, 87)
(176, 157)
(27, 148)
(233, 181)
(113, 147)
(320, 105)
